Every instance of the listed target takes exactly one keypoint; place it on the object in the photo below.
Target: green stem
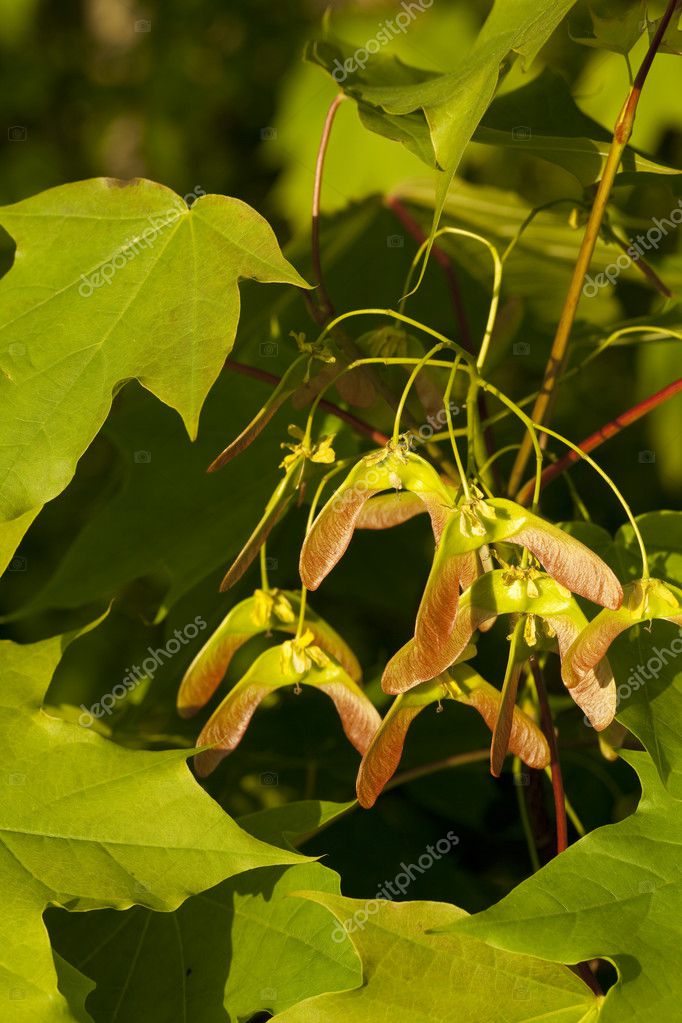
(447, 402)
(503, 726)
(408, 386)
(264, 581)
(607, 479)
(523, 813)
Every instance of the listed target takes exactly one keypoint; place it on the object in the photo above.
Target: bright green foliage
(617, 894)
(244, 946)
(86, 824)
(412, 975)
(133, 283)
(435, 116)
(133, 894)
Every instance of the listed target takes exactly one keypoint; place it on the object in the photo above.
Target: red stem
(557, 780)
(601, 435)
(645, 66)
(379, 438)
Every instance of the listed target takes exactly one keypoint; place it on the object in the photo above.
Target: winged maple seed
(463, 684)
(296, 662)
(643, 601)
(476, 523)
(395, 468)
(296, 377)
(266, 611)
(300, 453)
(551, 618)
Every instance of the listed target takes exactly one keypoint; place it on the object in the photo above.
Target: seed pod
(271, 671)
(642, 602)
(509, 592)
(265, 611)
(475, 524)
(281, 498)
(461, 683)
(389, 469)
(290, 382)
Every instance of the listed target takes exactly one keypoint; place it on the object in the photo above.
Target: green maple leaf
(617, 893)
(112, 281)
(435, 115)
(244, 946)
(85, 824)
(412, 975)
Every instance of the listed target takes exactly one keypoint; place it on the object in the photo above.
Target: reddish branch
(557, 780)
(601, 435)
(360, 425)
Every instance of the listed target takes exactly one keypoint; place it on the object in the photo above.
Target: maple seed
(265, 611)
(390, 468)
(470, 528)
(291, 664)
(558, 621)
(643, 601)
(464, 685)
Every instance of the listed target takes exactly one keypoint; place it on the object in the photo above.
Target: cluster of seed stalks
(541, 570)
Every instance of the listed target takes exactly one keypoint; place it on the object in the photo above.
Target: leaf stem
(264, 581)
(550, 735)
(327, 308)
(621, 136)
